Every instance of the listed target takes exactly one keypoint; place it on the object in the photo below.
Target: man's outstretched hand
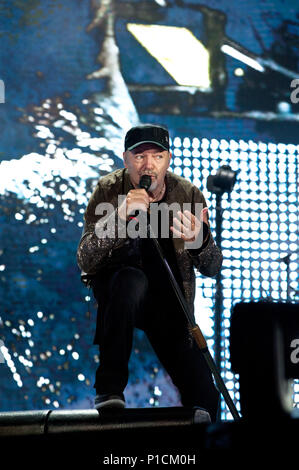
(187, 226)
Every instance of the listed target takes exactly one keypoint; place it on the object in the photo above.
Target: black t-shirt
(151, 262)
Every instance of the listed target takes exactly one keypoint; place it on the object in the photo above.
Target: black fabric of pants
(127, 300)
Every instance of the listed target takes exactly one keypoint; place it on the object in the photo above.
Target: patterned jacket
(95, 253)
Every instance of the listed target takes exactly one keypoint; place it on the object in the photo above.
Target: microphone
(145, 182)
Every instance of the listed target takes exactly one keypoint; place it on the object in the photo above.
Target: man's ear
(170, 157)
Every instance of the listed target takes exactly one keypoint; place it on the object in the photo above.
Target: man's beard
(154, 183)
(153, 186)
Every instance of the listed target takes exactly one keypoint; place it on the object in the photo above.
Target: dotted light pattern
(260, 227)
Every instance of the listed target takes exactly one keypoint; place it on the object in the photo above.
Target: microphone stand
(286, 260)
(196, 332)
(194, 328)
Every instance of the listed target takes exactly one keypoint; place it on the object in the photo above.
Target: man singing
(129, 279)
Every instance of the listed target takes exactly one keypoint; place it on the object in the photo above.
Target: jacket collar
(127, 185)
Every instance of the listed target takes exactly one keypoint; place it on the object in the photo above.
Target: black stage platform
(142, 437)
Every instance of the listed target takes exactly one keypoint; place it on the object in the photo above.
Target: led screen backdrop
(74, 77)
(260, 227)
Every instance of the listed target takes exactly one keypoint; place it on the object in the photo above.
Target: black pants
(127, 300)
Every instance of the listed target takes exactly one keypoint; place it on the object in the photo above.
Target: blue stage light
(187, 161)
(177, 161)
(186, 142)
(187, 173)
(178, 171)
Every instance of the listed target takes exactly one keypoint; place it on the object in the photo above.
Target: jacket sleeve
(208, 258)
(100, 234)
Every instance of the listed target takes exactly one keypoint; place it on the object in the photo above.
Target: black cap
(146, 133)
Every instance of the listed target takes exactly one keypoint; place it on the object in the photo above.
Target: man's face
(147, 159)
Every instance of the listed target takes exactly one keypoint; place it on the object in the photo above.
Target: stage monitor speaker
(264, 351)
